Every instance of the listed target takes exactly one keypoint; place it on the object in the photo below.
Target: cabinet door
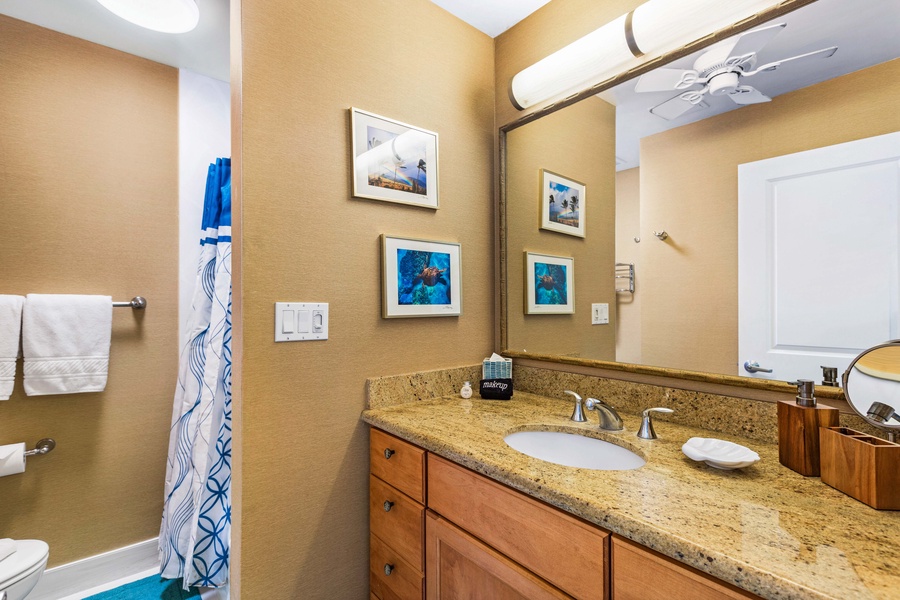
(459, 567)
(640, 574)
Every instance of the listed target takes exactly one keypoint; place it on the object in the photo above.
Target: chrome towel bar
(625, 271)
(137, 303)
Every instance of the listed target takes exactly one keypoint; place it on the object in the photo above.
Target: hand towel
(65, 340)
(7, 547)
(10, 328)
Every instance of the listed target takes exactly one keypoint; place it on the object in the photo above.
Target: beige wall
(578, 143)
(304, 486)
(628, 227)
(689, 188)
(89, 206)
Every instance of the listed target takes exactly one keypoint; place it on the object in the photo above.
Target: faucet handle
(646, 431)
(578, 412)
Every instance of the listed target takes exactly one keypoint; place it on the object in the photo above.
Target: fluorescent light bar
(166, 16)
(652, 29)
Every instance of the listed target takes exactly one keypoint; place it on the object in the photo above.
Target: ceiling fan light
(166, 16)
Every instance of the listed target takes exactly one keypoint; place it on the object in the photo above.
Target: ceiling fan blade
(754, 41)
(666, 80)
(802, 58)
(673, 108)
(748, 95)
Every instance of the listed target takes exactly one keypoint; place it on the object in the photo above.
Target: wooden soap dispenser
(798, 429)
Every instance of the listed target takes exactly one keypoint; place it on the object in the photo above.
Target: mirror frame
(502, 297)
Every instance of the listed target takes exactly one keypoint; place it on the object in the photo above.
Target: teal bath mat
(150, 588)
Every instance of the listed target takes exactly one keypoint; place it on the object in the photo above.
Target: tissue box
(496, 369)
(496, 389)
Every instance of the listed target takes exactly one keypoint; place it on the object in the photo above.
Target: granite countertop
(764, 528)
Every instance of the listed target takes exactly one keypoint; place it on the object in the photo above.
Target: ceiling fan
(720, 72)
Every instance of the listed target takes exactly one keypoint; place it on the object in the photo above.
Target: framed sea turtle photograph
(562, 204)
(549, 284)
(393, 161)
(420, 278)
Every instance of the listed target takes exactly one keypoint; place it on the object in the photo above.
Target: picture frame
(557, 194)
(393, 161)
(549, 284)
(420, 278)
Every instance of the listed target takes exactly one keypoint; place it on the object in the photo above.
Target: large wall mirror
(760, 215)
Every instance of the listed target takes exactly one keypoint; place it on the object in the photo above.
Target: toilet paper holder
(42, 447)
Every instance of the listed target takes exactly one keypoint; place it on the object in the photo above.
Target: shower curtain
(194, 539)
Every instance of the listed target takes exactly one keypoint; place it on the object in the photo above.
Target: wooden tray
(862, 466)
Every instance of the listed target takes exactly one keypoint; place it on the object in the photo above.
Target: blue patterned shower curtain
(194, 539)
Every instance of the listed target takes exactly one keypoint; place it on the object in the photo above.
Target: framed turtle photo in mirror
(550, 284)
(420, 278)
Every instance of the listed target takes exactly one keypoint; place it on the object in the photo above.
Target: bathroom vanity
(450, 499)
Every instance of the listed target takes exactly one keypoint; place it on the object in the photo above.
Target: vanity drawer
(567, 552)
(641, 574)
(397, 519)
(398, 463)
(391, 577)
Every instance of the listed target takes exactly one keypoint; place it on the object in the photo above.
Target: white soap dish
(719, 454)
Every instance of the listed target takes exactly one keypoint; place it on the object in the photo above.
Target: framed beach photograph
(562, 204)
(549, 284)
(420, 278)
(393, 161)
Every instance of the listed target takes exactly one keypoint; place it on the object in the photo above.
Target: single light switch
(599, 314)
(303, 321)
(287, 321)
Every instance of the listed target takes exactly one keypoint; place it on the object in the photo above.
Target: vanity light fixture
(652, 29)
(166, 16)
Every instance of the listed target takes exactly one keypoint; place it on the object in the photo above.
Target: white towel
(10, 328)
(65, 340)
(7, 547)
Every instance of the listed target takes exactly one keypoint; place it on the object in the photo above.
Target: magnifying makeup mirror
(872, 387)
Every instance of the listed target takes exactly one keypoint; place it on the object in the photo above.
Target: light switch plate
(599, 314)
(301, 321)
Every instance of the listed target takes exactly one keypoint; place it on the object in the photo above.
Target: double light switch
(301, 321)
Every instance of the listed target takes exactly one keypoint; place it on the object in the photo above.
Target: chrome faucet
(578, 413)
(609, 418)
(646, 431)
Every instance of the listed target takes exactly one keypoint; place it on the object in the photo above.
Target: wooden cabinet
(473, 538)
(564, 550)
(396, 518)
(641, 574)
(461, 566)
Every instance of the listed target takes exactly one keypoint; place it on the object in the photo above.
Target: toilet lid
(29, 555)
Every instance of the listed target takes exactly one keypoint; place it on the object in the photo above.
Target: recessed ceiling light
(167, 16)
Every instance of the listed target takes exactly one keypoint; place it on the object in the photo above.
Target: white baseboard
(81, 576)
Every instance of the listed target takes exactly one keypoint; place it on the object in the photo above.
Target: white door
(818, 257)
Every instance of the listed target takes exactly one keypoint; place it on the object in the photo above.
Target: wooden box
(862, 466)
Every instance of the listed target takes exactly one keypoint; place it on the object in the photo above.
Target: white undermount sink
(574, 450)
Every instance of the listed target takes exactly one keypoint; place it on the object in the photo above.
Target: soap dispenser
(799, 421)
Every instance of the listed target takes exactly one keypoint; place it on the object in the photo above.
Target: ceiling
(205, 50)
(866, 32)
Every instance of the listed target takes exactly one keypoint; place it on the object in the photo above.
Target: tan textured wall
(578, 143)
(305, 452)
(689, 188)
(89, 205)
(628, 227)
(551, 27)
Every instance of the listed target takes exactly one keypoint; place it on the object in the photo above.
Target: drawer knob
(388, 569)
(388, 453)
(388, 505)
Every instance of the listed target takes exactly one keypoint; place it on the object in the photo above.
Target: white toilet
(21, 570)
